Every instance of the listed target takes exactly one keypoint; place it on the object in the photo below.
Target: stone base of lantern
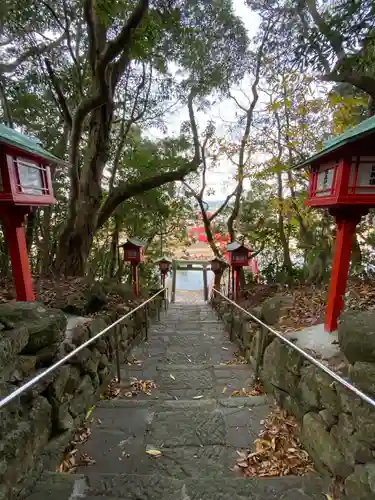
(314, 338)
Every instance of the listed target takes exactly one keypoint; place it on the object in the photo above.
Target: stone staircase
(189, 416)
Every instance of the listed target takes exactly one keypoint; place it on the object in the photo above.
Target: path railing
(23, 388)
(307, 356)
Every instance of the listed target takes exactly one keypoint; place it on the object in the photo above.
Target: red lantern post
(342, 180)
(164, 265)
(238, 257)
(133, 253)
(25, 182)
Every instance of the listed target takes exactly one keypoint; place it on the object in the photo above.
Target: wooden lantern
(164, 265)
(342, 179)
(133, 253)
(25, 182)
(217, 267)
(238, 257)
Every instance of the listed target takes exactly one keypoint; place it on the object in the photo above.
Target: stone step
(158, 486)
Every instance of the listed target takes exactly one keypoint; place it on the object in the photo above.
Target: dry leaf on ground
(153, 452)
(72, 459)
(277, 450)
(113, 390)
(238, 359)
(256, 390)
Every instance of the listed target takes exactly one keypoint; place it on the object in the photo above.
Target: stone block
(45, 326)
(329, 419)
(364, 423)
(12, 342)
(24, 444)
(73, 380)
(322, 446)
(21, 368)
(82, 398)
(57, 388)
(275, 361)
(327, 392)
(360, 485)
(96, 326)
(102, 346)
(64, 420)
(362, 374)
(294, 407)
(275, 307)
(80, 334)
(308, 389)
(356, 334)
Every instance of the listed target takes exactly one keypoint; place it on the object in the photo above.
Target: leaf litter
(72, 458)
(256, 390)
(238, 359)
(277, 450)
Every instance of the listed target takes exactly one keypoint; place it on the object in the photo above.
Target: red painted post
(15, 235)
(135, 279)
(237, 295)
(163, 280)
(340, 268)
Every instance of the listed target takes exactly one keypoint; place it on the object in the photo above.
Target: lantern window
(362, 175)
(31, 177)
(325, 180)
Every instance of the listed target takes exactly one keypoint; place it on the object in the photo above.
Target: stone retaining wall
(36, 428)
(337, 428)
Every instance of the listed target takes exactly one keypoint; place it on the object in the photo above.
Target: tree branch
(60, 96)
(223, 205)
(122, 42)
(128, 190)
(88, 12)
(30, 52)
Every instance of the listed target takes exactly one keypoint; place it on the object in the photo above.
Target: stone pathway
(190, 417)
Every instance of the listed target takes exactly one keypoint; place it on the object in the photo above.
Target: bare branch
(30, 52)
(129, 190)
(122, 42)
(60, 96)
(92, 43)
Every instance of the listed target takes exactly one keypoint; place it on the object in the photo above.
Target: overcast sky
(223, 112)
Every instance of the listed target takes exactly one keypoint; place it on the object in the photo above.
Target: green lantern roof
(13, 138)
(367, 127)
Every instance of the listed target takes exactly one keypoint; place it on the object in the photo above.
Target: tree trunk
(287, 262)
(76, 240)
(113, 248)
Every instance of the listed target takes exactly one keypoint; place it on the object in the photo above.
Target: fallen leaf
(224, 389)
(153, 452)
(172, 377)
(277, 451)
(198, 397)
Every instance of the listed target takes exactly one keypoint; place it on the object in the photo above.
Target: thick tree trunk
(76, 240)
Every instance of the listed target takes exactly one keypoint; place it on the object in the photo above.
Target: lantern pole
(346, 226)
(237, 283)
(13, 219)
(135, 279)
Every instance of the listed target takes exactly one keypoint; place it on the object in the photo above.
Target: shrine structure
(25, 182)
(342, 180)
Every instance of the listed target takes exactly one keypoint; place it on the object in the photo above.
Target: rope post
(231, 324)
(117, 352)
(146, 322)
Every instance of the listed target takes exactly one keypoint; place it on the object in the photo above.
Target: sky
(221, 179)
